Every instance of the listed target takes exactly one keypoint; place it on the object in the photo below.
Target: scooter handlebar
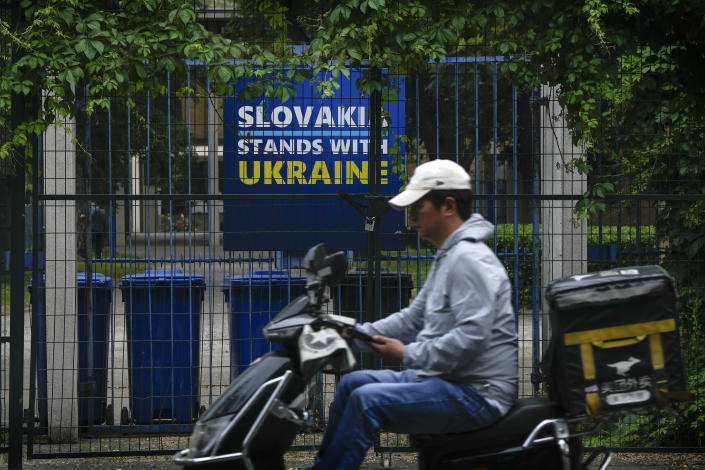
(346, 327)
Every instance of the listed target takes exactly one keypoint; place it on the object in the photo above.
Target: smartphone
(353, 333)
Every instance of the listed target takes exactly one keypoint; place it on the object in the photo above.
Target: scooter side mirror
(325, 268)
(338, 263)
(315, 258)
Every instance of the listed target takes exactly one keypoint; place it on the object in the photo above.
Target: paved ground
(298, 460)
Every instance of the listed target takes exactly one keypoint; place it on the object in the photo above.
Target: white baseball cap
(436, 174)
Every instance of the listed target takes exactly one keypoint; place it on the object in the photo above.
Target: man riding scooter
(457, 340)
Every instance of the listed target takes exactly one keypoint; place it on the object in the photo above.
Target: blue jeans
(369, 400)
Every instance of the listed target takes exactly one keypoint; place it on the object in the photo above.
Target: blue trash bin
(93, 332)
(254, 300)
(162, 310)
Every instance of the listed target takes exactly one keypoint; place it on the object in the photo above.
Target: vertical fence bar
(374, 291)
(15, 405)
(169, 176)
(495, 124)
(90, 311)
(188, 162)
(209, 159)
(535, 243)
(111, 242)
(457, 117)
(599, 175)
(147, 230)
(89, 228)
(418, 162)
(638, 231)
(88, 291)
(147, 233)
(477, 139)
(618, 186)
(131, 223)
(111, 213)
(515, 191)
(373, 189)
(189, 214)
(36, 236)
(110, 410)
(438, 117)
(129, 203)
(172, 336)
(250, 302)
(17, 215)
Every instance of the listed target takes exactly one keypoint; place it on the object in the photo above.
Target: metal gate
(142, 198)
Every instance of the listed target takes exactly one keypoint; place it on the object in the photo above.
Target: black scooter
(253, 423)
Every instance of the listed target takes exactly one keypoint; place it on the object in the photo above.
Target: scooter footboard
(236, 463)
(545, 456)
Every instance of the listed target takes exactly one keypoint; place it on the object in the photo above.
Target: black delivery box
(616, 344)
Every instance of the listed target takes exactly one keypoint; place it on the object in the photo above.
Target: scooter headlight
(204, 434)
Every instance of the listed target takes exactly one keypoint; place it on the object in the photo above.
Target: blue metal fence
(155, 166)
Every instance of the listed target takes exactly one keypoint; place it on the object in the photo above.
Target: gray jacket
(461, 326)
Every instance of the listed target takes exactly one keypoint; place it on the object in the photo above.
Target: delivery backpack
(616, 344)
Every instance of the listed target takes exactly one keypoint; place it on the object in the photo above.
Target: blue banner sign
(306, 145)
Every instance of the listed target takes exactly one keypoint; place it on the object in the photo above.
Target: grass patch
(5, 289)
(114, 270)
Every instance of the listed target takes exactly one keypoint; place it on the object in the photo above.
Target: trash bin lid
(165, 277)
(99, 280)
(262, 278)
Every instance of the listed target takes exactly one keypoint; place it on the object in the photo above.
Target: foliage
(80, 54)
(66, 50)
(628, 73)
(115, 48)
(613, 60)
(629, 84)
(629, 87)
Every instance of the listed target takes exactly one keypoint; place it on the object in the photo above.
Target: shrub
(180, 223)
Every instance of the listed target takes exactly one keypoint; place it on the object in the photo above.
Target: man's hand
(387, 347)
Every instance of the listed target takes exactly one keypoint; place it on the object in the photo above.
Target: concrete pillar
(564, 239)
(60, 218)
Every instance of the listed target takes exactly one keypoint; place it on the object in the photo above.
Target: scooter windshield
(294, 307)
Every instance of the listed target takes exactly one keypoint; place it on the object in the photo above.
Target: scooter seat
(510, 431)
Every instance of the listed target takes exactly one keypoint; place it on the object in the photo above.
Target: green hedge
(647, 235)
(626, 249)
(525, 241)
